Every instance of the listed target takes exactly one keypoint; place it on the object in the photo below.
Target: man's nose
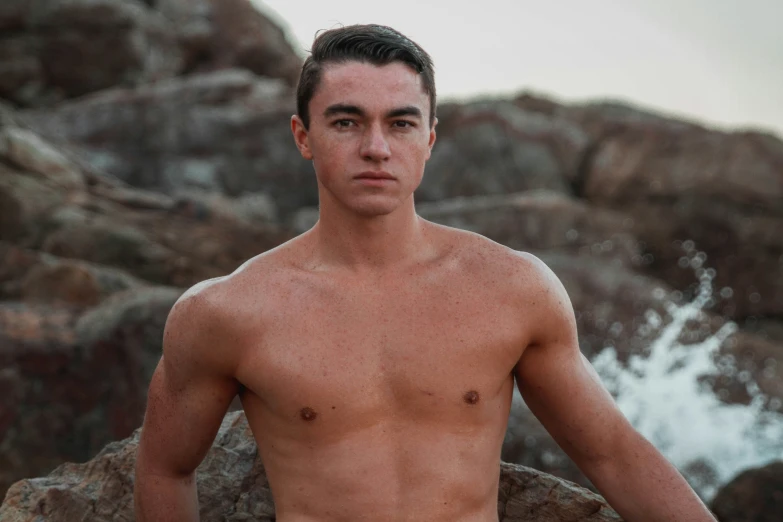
(375, 146)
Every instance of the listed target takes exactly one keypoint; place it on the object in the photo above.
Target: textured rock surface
(541, 221)
(61, 401)
(165, 240)
(80, 335)
(496, 148)
(755, 495)
(221, 34)
(226, 131)
(52, 50)
(610, 303)
(681, 181)
(232, 486)
(721, 190)
(31, 276)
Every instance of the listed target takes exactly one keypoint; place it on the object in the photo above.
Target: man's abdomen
(394, 470)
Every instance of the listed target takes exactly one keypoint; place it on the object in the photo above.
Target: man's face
(369, 135)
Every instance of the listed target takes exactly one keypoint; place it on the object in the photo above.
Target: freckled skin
(375, 355)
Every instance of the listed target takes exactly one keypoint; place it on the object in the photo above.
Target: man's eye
(343, 124)
(403, 124)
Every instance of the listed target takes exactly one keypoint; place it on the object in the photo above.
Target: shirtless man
(375, 355)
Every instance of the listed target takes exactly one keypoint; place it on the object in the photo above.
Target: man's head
(374, 44)
(366, 118)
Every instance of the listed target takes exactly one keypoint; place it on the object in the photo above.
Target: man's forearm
(160, 498)
(642, 486)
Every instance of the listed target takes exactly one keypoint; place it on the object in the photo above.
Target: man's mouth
(375, 175)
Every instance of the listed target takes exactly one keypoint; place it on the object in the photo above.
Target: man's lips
(374, 175)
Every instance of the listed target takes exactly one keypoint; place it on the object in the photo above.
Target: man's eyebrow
(341, 108)
(410, 110)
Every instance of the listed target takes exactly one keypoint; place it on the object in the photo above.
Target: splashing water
(710, 442)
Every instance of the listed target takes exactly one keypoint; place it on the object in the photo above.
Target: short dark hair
(376, 44)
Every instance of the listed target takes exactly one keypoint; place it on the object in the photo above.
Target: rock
(222, 34)
(164, 240)
(542, 221)
(232, 483)
(226, 131)
(767, 328)
(132, 320)
(53, 50)
(495, 147)
(32, 276)
(29, 152)
(683, 182)
(61, 402)
(755, 495)
(611, 303)
(754, 366)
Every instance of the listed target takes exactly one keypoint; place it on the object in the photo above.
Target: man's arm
(565, 393)
(190, 393)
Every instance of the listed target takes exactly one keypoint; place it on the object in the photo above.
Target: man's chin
(370, 209)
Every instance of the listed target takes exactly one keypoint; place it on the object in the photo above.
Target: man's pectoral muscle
(190, 393)
(562, 389)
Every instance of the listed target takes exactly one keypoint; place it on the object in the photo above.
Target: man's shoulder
(481, 254)
(224, 301)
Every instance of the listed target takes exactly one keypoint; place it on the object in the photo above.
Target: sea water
(709, 441)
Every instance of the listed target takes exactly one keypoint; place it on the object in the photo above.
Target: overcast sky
(715, 61)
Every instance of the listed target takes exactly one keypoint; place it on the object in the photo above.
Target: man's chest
(356, 356)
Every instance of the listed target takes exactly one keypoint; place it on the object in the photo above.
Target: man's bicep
(564, 392)
(189, 394)
(559, 384)
(181, 423)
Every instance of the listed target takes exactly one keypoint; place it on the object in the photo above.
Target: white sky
(715, 61)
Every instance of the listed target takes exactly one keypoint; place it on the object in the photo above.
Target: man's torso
(382, 396)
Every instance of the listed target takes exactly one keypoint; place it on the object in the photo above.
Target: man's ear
(432, 137)
(301, 137)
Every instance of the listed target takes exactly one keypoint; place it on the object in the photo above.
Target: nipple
(308, 414)
(471, 397)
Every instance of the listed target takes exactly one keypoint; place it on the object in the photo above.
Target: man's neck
(346, 239)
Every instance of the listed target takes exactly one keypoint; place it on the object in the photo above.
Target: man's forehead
(353, 81)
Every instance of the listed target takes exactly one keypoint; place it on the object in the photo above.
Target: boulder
(680, 181)
(53, 50)
(754, 371)
(224, 34)
(688, 189)
(32, 276)
(130, 321)
(61, 402)
(233, 486)
(495, 147)
(162, 239)
(542, 221)
(227, 131)
(611, 303)
(755, 495)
